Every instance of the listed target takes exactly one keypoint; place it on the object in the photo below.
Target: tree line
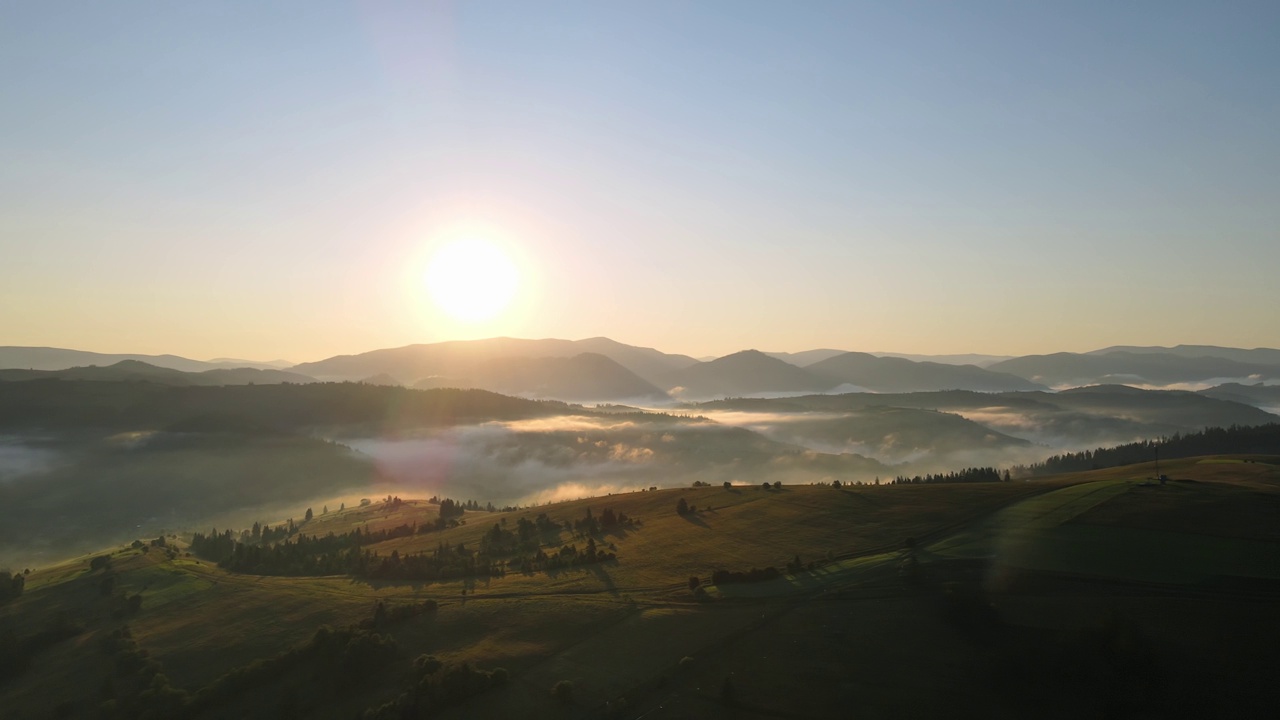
(1233, 440)
(500, 550)
(968, 475)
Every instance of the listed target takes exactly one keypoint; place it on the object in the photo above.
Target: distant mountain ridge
(555, 368)
(138, 371)
(1125, 367)
(805, 358)
(1081, 417)
(457, 358)
(745, 373)
(982, 361)
(48, 358)
(1258, 395)
(892, 374)
(1255, 356)
(583, 377)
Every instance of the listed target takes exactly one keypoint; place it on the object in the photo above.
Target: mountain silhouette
(1257, 394)
(47, 358)
(1149, 368)
(745, 373)
(891, 374)
(138, 371)
(459, 358)
(1256, 356)
(581, 378)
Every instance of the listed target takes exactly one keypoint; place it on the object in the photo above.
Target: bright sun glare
(471, 280)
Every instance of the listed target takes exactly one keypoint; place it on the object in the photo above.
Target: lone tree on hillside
(682, 507)
(309, 515)
(563, 692)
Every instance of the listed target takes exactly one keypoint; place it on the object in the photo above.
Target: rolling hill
(749, 372)
(927, 440)
(1258, 395)
(891, 374)
(1081, 594)
(1075, 419)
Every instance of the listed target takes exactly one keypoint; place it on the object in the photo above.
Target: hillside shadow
(472, 582)
(605, 579)
(551, 537)
(618, 531)
(695, 519)
(862, 495)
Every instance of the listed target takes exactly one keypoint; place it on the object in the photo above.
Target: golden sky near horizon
(263, 183)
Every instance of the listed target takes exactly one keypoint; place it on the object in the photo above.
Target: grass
(806, 645)
(1188, 531)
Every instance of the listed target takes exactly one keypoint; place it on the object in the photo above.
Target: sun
(471, 280)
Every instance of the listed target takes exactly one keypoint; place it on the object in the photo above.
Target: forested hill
(1234, 440)
(69, 405)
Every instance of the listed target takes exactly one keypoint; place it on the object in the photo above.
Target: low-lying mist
(534, 461)
(76, 493)
(103, 491)
(21, 456)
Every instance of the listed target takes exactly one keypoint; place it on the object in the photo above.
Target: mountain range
(604, 370)
(138, 371)
(47, 358)
(1152, 367)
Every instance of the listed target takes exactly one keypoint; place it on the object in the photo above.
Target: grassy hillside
(997, 569)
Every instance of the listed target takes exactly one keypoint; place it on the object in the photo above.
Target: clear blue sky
(268, 179)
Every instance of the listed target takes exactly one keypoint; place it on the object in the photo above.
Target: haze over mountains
(604, 370)
(138, 371)
(47, 358)
(1148, 367)
(288, 435)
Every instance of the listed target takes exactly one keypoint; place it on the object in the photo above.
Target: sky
(272, 179)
